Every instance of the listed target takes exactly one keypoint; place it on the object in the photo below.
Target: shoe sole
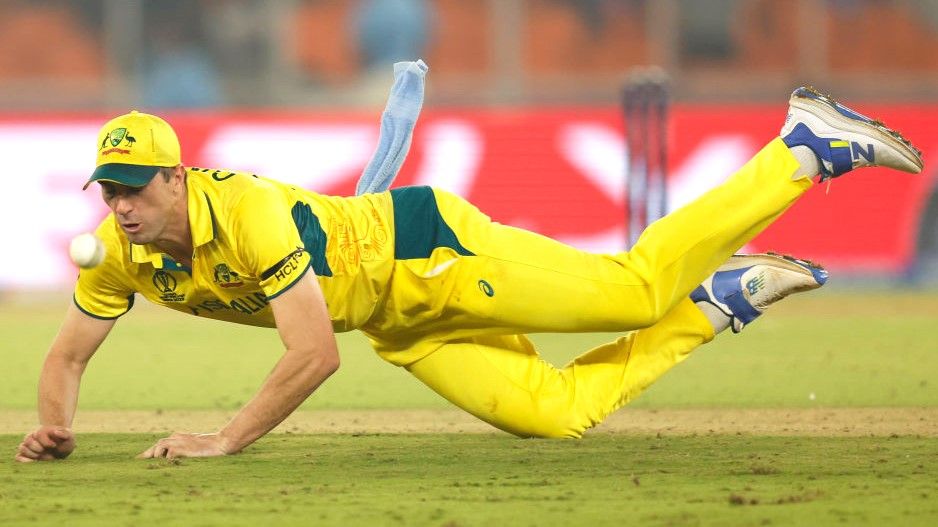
(826, 109)
(778, 261)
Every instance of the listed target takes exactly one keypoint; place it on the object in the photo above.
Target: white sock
(810, 166)
(717, 318)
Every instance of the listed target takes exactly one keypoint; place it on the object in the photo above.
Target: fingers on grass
(46, 440)
(23, 451)
(162, 448)
(30, 443)
(167, 448)
(26, 455)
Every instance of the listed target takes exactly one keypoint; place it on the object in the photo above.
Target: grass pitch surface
(848, 363)
(484, 479)
(813, 350)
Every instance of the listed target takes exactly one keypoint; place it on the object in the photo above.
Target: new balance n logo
(857, 151)
(754, 285)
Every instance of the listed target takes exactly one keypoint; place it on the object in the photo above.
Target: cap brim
(123, 174)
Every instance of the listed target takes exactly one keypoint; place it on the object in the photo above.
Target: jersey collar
(202, 224)
(202, 221)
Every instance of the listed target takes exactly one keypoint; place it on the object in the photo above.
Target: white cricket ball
(86, 250)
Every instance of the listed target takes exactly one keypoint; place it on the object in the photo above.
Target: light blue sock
(397, 127)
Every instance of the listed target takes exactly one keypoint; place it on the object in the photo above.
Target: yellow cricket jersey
(252, 239)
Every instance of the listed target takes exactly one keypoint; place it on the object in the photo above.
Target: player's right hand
(45, 444)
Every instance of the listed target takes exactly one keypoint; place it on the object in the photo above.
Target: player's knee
(553, 427)
(646, 314)
(553, 433)
(644, 306)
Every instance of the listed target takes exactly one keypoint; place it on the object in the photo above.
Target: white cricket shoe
(746, 285)
(843, 139)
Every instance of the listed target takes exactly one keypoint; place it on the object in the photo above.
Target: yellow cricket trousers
(456, 316)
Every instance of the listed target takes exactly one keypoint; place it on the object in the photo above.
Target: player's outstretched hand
(45, 444)
(187, 445)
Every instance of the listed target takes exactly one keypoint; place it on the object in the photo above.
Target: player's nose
(121, 206)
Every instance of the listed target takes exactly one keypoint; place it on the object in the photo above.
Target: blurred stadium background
(524, 117)
(522, 113)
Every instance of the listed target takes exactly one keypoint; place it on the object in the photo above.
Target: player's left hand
(188, 445)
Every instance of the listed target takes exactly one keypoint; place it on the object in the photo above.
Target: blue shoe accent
(700, 295)
(742, 310)
(750, 283)
(820, 274)
(834, 155)
(728, 287)
(726, 283)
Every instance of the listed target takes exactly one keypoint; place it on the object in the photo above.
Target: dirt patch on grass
(831, 422)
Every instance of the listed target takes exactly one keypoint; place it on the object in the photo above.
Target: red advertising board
(560, 172)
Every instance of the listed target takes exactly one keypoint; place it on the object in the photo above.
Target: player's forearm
(295, 377)
(58, 390)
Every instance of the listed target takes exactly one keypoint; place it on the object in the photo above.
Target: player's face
(143, 213)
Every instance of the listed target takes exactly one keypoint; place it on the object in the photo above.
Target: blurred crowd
(209, 53)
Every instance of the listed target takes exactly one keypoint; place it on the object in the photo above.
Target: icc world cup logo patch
(165, 284)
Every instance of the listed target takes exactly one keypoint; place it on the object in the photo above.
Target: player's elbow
(325, 361)
(315, 364)
(330, 362)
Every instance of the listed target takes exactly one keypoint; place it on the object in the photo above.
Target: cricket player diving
(437, 287)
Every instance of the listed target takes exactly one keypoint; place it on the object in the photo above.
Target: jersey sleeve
(267, 239)
(103, 292)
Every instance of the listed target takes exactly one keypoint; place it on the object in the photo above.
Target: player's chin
(138, 235)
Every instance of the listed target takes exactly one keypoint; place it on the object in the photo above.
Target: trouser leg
(538, 284)
(502, 380)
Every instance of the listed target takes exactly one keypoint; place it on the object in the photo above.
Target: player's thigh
(532, 283)
(503, 381)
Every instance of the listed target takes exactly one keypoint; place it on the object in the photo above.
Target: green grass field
(485, 480)
(847, 349)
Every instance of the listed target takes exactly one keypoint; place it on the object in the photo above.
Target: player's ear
(179, 177)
